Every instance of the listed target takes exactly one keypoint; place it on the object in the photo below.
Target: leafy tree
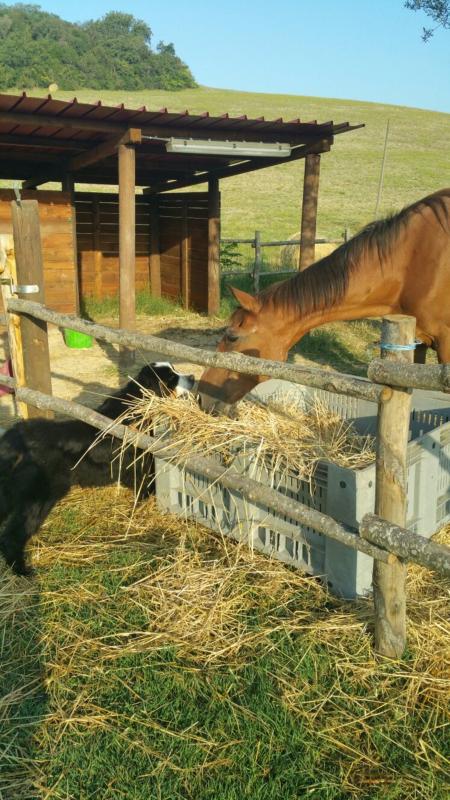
(438, 10)
(114, 52)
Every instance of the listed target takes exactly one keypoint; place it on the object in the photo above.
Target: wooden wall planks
(55, 216)
(97, 229)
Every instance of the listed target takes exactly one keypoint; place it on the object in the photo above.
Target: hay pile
(279, 437)
(131, 625)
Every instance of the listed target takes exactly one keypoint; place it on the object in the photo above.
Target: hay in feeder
(281, 437)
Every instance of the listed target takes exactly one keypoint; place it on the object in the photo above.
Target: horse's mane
(325, 282)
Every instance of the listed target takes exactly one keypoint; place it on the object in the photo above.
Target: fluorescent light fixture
(208, 147)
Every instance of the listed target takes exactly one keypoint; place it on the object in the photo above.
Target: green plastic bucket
(78, 341)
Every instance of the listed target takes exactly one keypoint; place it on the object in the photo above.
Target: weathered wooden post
(8, 279)
(258, 259)
(30, 356)
(397, 344)
(213, 246)
(309, 210)
(127, 246)
(68, 185)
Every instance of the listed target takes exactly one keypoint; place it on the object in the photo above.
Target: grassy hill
(418, 158)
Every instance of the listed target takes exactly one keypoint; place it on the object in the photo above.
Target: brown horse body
(400, 265)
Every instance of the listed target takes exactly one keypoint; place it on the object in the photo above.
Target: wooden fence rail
(405, 544)
(379, 539)
(415, 376)
(296, 373)
(248, 488)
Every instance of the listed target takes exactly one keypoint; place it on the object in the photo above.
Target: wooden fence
(382, 535)
(258, 244)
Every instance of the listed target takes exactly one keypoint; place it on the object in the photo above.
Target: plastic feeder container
(76, 340)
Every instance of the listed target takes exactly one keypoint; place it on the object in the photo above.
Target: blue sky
(354, 49)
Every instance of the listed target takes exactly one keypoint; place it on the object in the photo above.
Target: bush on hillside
(114, 52)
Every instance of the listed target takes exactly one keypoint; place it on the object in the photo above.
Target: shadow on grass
(324, 347)
(23, 696)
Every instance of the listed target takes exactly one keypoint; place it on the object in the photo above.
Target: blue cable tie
(386, 346)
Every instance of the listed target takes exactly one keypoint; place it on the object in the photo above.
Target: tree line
(114, 52)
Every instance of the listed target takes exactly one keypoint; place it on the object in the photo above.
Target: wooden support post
(391, 491)
(309, 210)
(213, 246)
(127, 246)
(98, 258)
(185, 262)
(68, 186)
(258, 259)
(155, 250)
(32, 360)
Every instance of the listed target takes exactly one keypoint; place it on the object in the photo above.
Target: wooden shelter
(96, 243)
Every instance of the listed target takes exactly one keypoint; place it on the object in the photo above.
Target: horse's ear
(246, 301)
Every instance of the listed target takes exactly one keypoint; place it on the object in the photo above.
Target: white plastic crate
(342, 493)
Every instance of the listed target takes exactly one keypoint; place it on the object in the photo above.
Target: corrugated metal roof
(142, 117)
(44, 131)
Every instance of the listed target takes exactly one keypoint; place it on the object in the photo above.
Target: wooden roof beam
(39, 178)
(34, 121)
(132, 136)
(321, 146)
(11, 139)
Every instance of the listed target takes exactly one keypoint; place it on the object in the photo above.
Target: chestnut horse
(398, 265)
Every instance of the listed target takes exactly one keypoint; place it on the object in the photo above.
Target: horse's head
(250, 331)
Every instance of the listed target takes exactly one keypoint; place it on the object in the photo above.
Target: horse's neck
(371, 292)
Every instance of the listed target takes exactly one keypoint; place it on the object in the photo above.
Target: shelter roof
(42, 136)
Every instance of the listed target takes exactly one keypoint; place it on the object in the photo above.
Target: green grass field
(418, 158)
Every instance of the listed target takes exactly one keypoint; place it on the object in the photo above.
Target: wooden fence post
(391, 484)
(258, 259)
(31, 359)
(12, 321)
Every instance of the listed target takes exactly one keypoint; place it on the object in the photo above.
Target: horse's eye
(231, 337)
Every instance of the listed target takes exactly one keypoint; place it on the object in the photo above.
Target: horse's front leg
(443, 346)
(420, 354)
